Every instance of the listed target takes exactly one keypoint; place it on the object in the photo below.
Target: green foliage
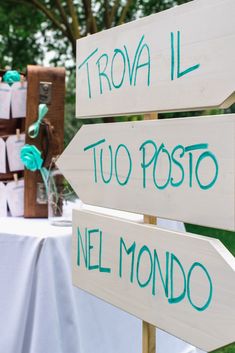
(228, 349)
(226, 237)
(19, 43)
(71, 124)
(148, 7)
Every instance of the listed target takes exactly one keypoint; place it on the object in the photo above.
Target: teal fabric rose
(32, 160)
(31, 157)
(11, 76)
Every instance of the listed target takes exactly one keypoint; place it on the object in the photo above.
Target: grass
(228, 239)
(228, 349)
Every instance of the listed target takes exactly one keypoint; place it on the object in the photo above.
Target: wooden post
(148, 330)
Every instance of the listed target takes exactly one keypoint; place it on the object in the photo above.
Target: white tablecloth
(40, 310)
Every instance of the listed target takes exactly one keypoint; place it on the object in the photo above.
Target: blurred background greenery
(44, 32)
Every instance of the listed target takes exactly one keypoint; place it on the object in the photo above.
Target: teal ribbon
(11, 76)
(33, 129)
(32, 160)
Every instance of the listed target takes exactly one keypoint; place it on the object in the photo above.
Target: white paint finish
(207, 34)
(212, 207)
(208, 329)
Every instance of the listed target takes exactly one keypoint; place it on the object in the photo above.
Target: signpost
(180, 169)
(181, 283)
(180, 59)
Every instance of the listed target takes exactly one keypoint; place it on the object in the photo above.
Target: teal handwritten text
(111, 71)
(144, 267)
(89, 249)
(159, 166)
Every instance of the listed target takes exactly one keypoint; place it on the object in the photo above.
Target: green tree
(69, 20)
(19, 40)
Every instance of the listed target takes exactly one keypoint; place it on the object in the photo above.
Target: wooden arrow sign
(179, 59)
(181, 169)
(181, 283)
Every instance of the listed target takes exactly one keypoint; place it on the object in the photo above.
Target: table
(40, 310)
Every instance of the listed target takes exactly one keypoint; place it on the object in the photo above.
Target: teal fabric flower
(31, 157)
(32, 160)
(11, 76)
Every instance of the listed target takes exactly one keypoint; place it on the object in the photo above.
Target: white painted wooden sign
(181, 283)
(181, 169)
(179, 59)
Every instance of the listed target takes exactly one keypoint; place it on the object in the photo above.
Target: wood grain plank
(184, 172)
(163, 62)
(188, 292)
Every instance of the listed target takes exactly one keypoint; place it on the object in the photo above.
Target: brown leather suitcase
(50, 140)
